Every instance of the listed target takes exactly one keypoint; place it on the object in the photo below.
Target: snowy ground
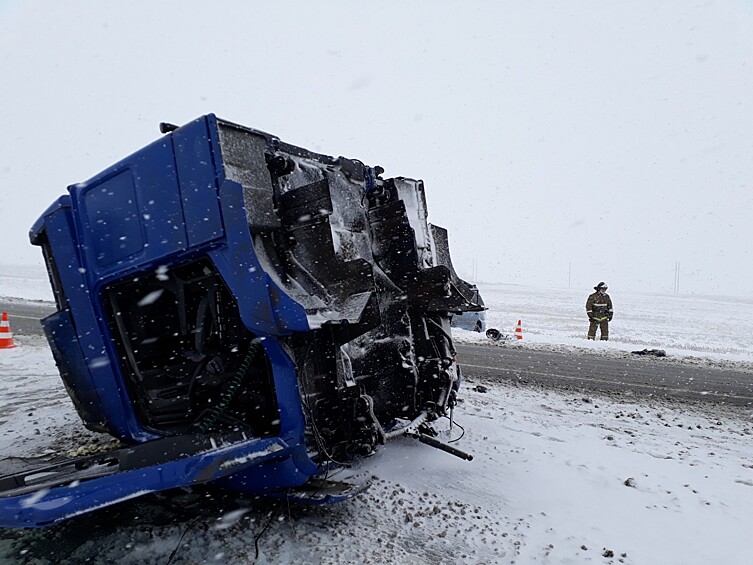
(718, 328)
(558, 476)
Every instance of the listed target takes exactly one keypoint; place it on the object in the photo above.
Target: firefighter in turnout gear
(599, 310)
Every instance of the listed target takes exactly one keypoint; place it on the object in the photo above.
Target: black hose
(216, 412)
(428, 440)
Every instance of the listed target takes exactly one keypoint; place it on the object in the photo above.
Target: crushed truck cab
(239, 311)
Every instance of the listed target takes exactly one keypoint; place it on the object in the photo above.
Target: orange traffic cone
(6, 336)
(519, 331)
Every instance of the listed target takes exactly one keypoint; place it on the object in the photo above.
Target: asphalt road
(24, 316)
(643, 376)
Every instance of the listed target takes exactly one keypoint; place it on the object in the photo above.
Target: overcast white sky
(560, 142)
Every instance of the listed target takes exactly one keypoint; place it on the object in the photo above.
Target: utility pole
(569, 274)
(677, 277)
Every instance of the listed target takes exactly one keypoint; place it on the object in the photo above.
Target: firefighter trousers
(603, 325)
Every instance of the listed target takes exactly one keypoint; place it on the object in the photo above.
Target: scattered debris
(496, 335)
(653, 352)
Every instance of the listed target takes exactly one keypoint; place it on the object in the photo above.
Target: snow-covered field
(25, 281)
(713, 327)
(557, 476)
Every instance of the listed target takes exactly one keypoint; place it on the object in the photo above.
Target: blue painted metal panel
(96, 349)
(247, 279)
(39, 226)
(70, 360)
(139, 199)
(197, 178)
(110, 210)
(50, 505)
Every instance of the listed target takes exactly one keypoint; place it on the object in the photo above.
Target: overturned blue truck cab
(242, 312)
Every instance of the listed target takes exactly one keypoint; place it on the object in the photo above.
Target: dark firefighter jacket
(599, 306)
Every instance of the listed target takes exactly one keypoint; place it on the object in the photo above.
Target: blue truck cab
(238, 311)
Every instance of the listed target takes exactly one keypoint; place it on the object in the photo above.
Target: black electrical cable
(318, 439)
(441, 329)
(459, 426)
(177, 547)
(260, 534)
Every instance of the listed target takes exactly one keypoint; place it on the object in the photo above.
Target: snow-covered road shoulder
(557, 477)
